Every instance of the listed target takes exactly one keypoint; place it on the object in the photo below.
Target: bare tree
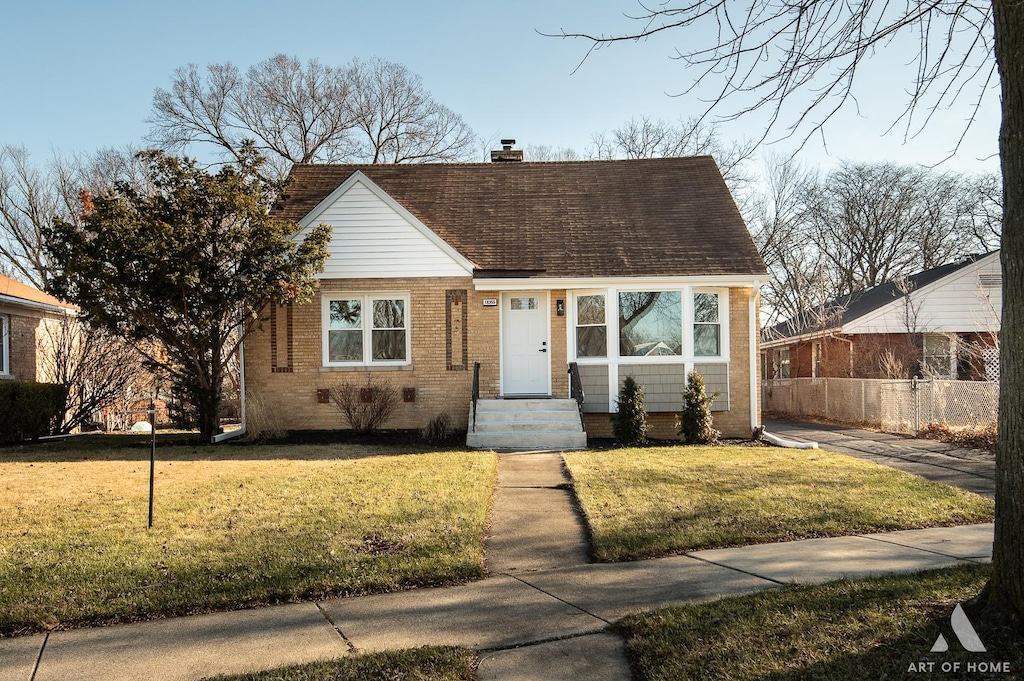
(772, 56)
(984, 211)
(646, 138)
(775, 216)
(544, 152)
(32, 196)
(401, 122)
(873, 222)
(374, 112)
(99, 369)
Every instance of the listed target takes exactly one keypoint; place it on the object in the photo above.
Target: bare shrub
(261, 421)
(975, 437)
(439, 429)
(365, 407)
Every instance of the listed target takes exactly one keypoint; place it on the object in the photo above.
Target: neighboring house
(640, 267)
(940, 323)
(25, 315)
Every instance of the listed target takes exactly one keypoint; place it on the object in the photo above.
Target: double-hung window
(707, 325)
(591, 327)
(366, 329)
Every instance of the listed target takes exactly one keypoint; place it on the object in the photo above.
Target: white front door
(525, 346)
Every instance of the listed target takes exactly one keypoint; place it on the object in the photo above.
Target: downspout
(240, 431)
(755, 380)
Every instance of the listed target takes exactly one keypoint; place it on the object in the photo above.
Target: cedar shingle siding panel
(650, 217)
(716, 379)
(663, 384)
(595, 387)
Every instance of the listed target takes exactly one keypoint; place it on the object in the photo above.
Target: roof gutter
(33, 305)
(240, 431)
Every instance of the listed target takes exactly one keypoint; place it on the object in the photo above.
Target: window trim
(611, 311)
(785, 368)
(950, 354)
(575, 325)
(367, 329)
(723, 312)
(683, 325)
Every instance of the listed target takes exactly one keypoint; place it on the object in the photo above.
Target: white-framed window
(707, 324)
(642, 325)
(5, 345)
(366, 329)
(591, 326)
(650, 323)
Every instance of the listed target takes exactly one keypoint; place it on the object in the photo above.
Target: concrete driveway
(969, 469)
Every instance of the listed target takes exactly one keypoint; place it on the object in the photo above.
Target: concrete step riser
(520, 426)
(526, 405)
(520, 440)
(527, 424)
(528, 417)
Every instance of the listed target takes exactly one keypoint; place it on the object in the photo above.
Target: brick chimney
(507, 154)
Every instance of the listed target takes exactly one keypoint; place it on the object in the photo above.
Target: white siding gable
(959, 302)
(376, 238)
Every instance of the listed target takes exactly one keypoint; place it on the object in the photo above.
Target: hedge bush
(28, 409)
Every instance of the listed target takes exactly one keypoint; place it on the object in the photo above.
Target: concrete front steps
(526, 424)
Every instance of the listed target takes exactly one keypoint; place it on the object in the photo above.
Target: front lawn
(650, 502)
(235, 526)
(881, 628)
(418, 664)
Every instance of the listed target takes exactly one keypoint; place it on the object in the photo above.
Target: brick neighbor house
(941, 323)
(638, 268)
(25, 315)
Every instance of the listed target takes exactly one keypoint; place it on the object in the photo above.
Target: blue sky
(79, 76)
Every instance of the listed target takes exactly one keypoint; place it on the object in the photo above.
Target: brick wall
(283, 377)
(289, 391)
(27, 339)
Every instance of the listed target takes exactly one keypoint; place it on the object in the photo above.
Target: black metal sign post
(152, 456)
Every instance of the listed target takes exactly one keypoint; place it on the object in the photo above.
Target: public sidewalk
(542, 615)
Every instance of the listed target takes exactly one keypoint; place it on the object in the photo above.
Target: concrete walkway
(969, 469)
(541, 616)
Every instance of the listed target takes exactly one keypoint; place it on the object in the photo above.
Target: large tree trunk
(1007, 585)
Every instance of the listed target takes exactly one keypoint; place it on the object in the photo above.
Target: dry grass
(645, 503)
(419, 664)
(841, 631)
(234, 527)
(976, 437)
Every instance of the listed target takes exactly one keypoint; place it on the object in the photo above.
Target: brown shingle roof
(652, 217)
(31, 297)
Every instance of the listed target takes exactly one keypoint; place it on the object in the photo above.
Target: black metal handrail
(476, 390)
(576, 389)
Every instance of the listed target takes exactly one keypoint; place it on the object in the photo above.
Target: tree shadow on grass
(177, 446)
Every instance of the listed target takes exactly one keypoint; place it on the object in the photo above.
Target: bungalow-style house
(527, 271)
(940, 323)
(25, 314)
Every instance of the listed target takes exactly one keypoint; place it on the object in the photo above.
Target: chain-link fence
(895, 406)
